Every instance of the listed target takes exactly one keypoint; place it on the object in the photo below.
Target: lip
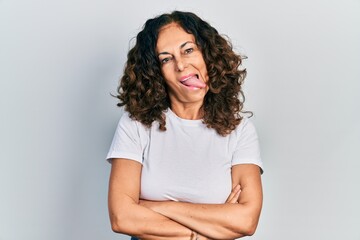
(186, 77)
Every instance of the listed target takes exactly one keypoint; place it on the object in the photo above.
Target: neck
(190, 112)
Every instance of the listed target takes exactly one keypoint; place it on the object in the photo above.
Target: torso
(188, 162)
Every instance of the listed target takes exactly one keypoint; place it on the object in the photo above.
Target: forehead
(172, 36)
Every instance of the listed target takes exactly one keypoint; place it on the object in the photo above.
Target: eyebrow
(181, 46)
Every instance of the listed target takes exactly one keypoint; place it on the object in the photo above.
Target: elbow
(119, 224)
(123, 220)
(249, 220)
(250, 229)
(116, 225)
(246, 224)
(249, 226)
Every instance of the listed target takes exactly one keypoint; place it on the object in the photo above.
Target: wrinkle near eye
(165, 59)
(189, 50)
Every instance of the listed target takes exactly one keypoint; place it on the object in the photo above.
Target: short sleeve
(126, 142)
(247, 150)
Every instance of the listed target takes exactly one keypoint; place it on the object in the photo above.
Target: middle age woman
(185, 163)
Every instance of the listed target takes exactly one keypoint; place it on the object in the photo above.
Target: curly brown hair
(142, 88)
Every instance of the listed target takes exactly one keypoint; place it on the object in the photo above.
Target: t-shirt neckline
(197, 122)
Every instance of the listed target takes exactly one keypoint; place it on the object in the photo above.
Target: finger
(235, 198)
(233, 193)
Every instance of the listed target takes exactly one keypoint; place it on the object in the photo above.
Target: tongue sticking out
(194, 82)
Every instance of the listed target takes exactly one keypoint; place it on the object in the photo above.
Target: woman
(185, 164)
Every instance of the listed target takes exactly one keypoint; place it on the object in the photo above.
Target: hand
(234, 195)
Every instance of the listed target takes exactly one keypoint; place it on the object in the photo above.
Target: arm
(127, 216)
(221, 221)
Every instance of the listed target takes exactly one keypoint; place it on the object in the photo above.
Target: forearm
(216, 221)
(127, 216)
(146, 224)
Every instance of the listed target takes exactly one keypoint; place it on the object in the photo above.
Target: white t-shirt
(188, 162)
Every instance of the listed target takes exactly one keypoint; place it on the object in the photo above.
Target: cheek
(200, 62)
(167, 74)
(165, 71)
(204, 70)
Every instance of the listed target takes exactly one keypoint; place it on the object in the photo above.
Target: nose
(180, 64)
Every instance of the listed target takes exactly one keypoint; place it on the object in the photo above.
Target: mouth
(192, 81)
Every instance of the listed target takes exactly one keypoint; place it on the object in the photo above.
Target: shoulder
(247, 148)
(127, 121)
(246, 127)
(131, 128)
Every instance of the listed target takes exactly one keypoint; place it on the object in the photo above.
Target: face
(182, 65)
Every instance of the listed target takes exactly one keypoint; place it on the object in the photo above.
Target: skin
(180, 57)
(221, 221)
(129, 214)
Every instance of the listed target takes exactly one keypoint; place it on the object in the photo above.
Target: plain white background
(60, 60)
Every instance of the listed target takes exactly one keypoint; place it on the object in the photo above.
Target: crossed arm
(236, 218)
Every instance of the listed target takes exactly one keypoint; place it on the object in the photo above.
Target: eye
(189, 50)
(165, 60)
